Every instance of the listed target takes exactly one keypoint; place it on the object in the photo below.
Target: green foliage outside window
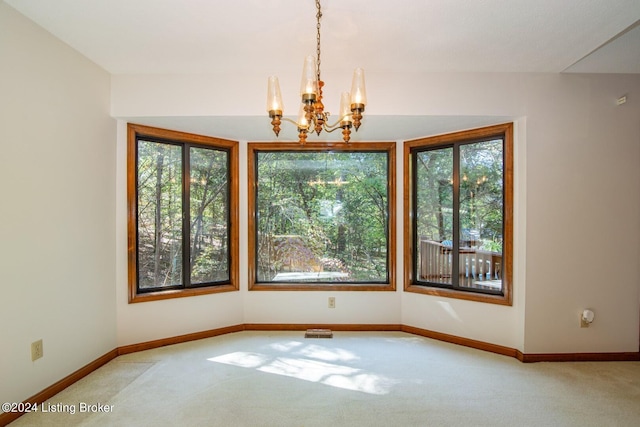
(162, 226)
(322, 217)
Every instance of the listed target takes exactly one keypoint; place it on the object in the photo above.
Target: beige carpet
(353, 379)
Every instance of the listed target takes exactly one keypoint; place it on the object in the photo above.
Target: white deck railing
(435, 264)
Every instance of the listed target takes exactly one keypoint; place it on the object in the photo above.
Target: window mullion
(455, 252)
(186, 216)
(414, 211)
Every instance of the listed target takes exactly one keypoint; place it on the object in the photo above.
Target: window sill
(389, 287)
(180, 293)
(452, 293)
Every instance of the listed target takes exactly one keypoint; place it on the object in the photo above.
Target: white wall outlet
(586, 317)
(37, 350)
(332, 302)
(583, 323)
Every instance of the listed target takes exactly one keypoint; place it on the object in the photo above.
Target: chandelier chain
(318, 16)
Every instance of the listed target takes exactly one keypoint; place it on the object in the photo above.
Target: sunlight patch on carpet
(285, 346)
(243, 359)
(327, 354)
(334, 375)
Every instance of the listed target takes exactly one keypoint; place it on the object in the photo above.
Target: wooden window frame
(502, 131)
(388, 147)
(135, 132)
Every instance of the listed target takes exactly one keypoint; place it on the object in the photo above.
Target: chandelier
(312, 116)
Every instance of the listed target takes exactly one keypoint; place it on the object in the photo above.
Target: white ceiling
(272, 36)
(204, 36)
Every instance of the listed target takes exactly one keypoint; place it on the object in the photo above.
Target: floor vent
(318, 333)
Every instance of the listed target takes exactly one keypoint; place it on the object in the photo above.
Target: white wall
(57, 209)
(583, 214)
(577, 201)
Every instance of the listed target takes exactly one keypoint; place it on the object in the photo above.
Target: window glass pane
(434, 215)
(159, 184)
(322, 217)
(209, 205)
(481, 215)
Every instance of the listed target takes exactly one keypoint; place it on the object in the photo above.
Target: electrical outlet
(332, 302)
(583, 323)
(36, 350)
(586, 318)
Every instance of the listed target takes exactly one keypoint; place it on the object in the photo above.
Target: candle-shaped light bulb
(358, 91)
(345, 108)
(274, 97)
(309, 83)
(302, 118)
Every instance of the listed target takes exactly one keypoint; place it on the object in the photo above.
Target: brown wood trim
(52, 390)
(505, 129)
(393, 217)
(465, 135)
(332, 326)
(134, 130)
(252, 273)
(453, 293)
(466, 342)
(179, 293)
(253, 147)
(578, 357)
(407, 230)
(234, 216)
(131, 212)
(508, 250)
(385, 287)
(132, 348)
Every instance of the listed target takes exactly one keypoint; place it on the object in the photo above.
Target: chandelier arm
(327, 127)
(298, 125)
(330, 130)
(346, 131)
(338, 124)
(290, 121)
